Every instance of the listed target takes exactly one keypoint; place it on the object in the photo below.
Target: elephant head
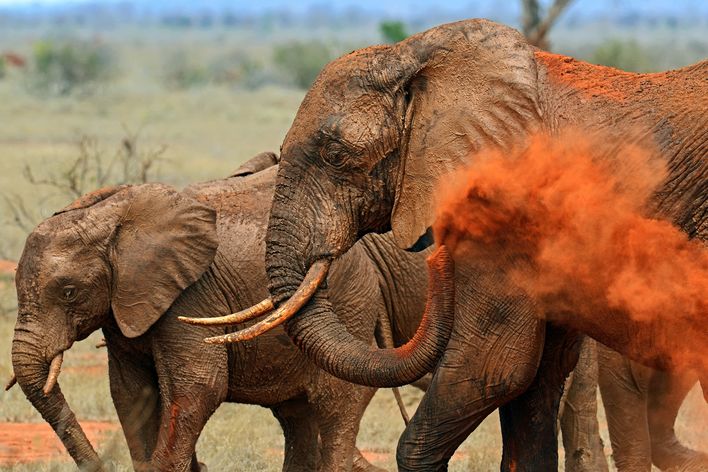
(375, 133)
(119, 255)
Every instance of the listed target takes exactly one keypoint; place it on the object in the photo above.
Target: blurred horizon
(408, 10)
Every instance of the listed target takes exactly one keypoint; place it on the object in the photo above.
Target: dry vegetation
(207, 128)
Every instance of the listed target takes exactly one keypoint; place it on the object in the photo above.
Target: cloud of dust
(568, 220)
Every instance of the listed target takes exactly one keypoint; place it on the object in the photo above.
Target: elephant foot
(199, 467)
(584, 460)
(697, 464)
(360, 464)
(676, 457)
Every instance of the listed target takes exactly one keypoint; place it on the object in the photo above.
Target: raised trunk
(318, 332)
(32, 369)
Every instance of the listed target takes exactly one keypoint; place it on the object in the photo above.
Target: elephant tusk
(54, 369)
(235, 318)
(11, 383)
(314, 277)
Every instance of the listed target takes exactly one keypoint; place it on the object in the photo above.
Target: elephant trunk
(319, 333)
(33, 375)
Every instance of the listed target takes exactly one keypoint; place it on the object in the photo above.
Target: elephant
(641, 405)
(130, 259)
(376, 133)
(577, 415)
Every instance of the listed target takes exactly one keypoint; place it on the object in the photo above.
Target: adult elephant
(374, 135)
(130, 259)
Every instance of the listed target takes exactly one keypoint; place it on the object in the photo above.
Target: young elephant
(130, 259)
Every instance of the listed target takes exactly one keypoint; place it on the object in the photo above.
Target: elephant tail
(384, 339)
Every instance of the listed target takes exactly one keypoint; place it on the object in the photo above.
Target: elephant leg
(666, 394)
(623, 387)
(578, 417)
(529, 421)
(339, 408)
(136, 398)
(191, 389)
(491, 358)
(182, 420)
(300, 430)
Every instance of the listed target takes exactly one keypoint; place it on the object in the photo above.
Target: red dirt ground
(90, 363)
(32, 442)
(7, 267)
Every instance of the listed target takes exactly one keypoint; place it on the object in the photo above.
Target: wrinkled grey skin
(641, 405)
(165, 381)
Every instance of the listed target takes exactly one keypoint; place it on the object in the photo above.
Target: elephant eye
(334, 154)
(69, 293)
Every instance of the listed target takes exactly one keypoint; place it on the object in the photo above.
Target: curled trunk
(318, 332)
(32, 370)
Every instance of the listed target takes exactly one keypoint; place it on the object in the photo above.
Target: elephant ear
(477, 90)
(163, 242)
(256, 164)
(92, 198)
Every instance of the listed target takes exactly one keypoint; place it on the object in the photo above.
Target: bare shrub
(62, 67)
(92, 168)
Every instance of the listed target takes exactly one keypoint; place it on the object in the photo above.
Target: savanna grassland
(195, 103)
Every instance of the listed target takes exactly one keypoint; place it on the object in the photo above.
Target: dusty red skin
(575, 205)
(595, 80)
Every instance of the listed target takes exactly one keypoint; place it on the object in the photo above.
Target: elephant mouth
(52, 375)
(316, 274)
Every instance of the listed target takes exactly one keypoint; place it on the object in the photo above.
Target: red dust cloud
(568, 219)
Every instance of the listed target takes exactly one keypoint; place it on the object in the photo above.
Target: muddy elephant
(641, 405)
(130, 259)
(375, 134)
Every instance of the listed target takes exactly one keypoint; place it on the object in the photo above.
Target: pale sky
(36, 2)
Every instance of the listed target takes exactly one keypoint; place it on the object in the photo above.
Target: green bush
(393, 31)
(237, 68)
(64, 67)
(302, 61)
(622, 54)
(2, 67)
(180, 71)
(183, 70)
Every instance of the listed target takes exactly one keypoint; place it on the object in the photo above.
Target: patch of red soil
(7, 267)
(91, 370)
(91, 357)
(89, 363)
(34, 442)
